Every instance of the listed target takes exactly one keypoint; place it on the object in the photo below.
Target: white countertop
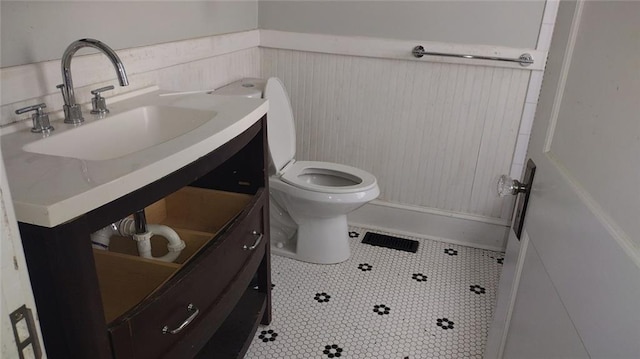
(50, 190)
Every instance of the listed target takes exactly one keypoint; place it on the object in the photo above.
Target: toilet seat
(326, 177)
(309, 200)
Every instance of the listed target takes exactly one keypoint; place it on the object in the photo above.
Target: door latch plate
(523, 201)
(25, 334)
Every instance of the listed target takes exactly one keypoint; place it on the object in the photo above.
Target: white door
(20, 335)
(575, 275)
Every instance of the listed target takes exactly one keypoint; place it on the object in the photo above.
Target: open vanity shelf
(198, 215)
(114, 304)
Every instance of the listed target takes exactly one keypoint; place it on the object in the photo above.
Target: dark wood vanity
(114, 304)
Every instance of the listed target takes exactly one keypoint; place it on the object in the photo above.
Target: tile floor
(382, 303)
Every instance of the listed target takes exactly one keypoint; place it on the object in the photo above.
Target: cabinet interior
(196, 214)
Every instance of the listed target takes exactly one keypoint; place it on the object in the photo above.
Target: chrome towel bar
(523, 60)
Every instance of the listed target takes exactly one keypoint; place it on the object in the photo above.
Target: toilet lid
(281, 130)
(345, 179)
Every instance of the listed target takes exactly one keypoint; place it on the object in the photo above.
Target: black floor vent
(381, 240)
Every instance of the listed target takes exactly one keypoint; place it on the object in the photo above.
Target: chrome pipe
(72, 110)
(140, 222)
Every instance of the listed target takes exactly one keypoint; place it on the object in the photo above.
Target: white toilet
(309, 200)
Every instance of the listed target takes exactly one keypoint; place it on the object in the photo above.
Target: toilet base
(318, 240)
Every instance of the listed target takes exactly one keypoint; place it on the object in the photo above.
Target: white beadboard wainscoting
(436, 134)
(195, 64)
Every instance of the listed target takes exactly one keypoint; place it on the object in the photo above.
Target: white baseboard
(461, 229)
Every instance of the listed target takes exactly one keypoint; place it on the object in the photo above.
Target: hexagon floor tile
(382, 303)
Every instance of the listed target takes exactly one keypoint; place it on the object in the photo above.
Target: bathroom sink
(148, 134)
(123, 133)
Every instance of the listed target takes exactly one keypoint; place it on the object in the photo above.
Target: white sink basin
(123, 133)
(149, 134)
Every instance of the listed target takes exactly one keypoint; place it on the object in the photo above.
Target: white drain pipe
(126, 227)
(100, 239)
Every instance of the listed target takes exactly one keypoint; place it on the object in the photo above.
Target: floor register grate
(382, 240)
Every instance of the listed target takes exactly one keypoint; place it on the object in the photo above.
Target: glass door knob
(510, 186)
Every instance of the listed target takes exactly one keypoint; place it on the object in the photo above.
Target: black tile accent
(365, 267)
(381, 309)
(333, 351)
(354, 234)
(322, 297)
(382, 240)
(267, 335)
(477, 289)
(419, 277)
(445, 323)
(451, 252)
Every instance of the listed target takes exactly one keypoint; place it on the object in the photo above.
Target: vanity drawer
(196, 214)
(195, 291)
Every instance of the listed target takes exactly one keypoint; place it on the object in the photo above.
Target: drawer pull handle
(190, 308)
(256, 243)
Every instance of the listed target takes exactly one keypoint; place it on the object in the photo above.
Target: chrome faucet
(72, 111)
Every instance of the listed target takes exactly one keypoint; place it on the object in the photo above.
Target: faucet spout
(72, 112)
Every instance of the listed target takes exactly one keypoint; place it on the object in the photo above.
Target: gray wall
(34, 31)
(503, 23)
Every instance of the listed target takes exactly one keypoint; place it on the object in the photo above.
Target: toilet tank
(249, 87)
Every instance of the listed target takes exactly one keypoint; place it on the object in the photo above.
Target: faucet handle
(102, 89)
(64, 95)
(98, 102)
(40, 119)
(61, 88)
(37, 107)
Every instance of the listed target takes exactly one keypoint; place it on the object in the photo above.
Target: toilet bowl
(309, 200)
